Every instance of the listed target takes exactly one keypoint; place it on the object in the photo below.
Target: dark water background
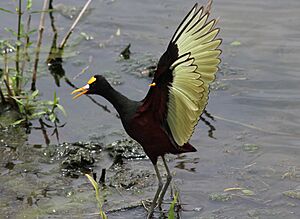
(256, 103)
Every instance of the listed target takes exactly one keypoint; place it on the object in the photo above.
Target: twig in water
(39, 42)
(84, 69)
(64, 41)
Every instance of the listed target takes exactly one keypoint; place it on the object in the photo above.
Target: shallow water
(256, 145)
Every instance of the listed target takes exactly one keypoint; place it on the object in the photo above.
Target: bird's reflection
(184, 163)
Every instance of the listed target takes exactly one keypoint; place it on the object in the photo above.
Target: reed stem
(39, 43)
(64, 41)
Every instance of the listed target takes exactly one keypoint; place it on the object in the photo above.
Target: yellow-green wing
(193, 70)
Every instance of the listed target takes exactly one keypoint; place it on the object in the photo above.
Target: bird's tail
(187, 147)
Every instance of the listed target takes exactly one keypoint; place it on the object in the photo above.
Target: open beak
(81, 91)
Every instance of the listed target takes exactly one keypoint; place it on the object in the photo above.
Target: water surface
(256, 145)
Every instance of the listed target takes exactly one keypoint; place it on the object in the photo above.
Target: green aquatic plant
(220, 197)
(31, 108)
(15, 54)
(98, 196)
(171, 213)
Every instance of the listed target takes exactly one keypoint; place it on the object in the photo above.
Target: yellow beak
(82, 91)
(152, 85)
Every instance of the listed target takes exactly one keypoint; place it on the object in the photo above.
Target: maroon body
(146, 130)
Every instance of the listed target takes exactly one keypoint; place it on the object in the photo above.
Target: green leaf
(29, 44)
(18, 121)
(35, 93)
(38, 115)
(11, 31)
(247, 192)
(96, 187)
(49, 103)
(19, 43)
(52, 117)
(19, 102)
(94, 183)
(61, 109)
(32, 31)
(8, 44)
(171, 214)
(236, 43)
(29, 4)
(8, 11)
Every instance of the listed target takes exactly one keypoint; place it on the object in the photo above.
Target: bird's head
(96, 85)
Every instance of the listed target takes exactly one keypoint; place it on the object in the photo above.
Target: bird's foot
(147, 204)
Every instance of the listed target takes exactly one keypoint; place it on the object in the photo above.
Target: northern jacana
(164, 121)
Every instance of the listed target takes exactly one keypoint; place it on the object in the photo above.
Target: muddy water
(255, 152)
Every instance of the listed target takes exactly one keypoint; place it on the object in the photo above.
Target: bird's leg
(160, 185)
(169, 178)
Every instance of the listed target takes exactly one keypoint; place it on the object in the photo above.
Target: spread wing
(184, 73)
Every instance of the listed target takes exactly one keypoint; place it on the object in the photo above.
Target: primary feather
(192, 71)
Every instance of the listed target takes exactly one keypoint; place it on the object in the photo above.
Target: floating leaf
(243, 190)
(292, 194)
(251, 148)
(221, 197)
(232, 189)
(247, 192)
(236, 43)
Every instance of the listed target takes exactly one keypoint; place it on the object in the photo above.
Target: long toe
(146, 204)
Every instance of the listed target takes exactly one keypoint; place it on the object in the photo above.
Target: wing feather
(192, 73)
(183, 75)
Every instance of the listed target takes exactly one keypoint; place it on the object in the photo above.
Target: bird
(165, 119)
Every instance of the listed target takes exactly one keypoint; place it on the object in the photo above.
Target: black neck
(122, 104)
